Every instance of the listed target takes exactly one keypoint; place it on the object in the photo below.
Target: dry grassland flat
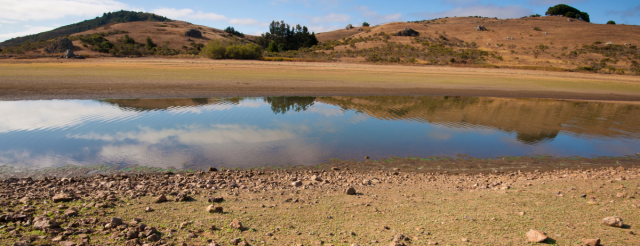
(127, 78)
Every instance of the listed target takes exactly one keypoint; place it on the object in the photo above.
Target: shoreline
(173, 78)
(439, 165)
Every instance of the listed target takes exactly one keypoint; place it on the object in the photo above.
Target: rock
(591, 242)
(315, 178)
(115, 221)
(481, 28)
(153, 238)
(148, 209)
(67, 243)
(59, 46)
(43, 223)
(235, 241)
(235, 224)
(351, 191)
(62, 197)
(408, 32)
(182, 196)
(132, 234)
(160, 199)
(215, 199)
(613, 221)
(213, 169)
(296, 184)
(349, 27)
(194, 33)
(22, 243)
(432, 243)
(214, 209)
(69, 54)
(464, 239)
(71, 212)
(536, 236)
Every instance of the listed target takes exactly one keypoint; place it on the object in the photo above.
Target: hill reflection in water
(248, 132)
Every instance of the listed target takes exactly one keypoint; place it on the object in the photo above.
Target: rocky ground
(337, 206)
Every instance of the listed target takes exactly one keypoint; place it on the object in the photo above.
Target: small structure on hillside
(349, 27)
(481, 28)
(59, 46)
(570, 20)
(360, 29)
(408, 32)
(194, 33)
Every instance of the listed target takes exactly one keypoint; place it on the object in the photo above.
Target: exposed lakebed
(280, 131)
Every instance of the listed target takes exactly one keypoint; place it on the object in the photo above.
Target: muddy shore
(164, 78)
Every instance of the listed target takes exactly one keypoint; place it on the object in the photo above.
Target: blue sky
(23, 17)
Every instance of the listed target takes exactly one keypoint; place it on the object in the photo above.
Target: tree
(365, 24)
(566, 10)
(287, 37)
(150, 44)
(611, 22)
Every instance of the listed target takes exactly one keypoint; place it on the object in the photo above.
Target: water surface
(278, 131)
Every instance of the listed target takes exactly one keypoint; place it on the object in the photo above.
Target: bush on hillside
(365, 24)
(611, 22)
(150, 44)
(233, 31)
(224, 49)
(568, 11)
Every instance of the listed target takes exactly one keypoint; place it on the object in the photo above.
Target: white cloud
(8, 22)
(27, 31)
(247, 22)
(510, 11)
(374, 18)
(552, 2)
(179, 14)
(319, 29)
(25, 10)
(35, 115)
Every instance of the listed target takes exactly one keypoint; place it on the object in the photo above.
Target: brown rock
(148, 209)
(214, 209)
(67, 243)
(235, 224)
(215, 199)
(591, 242)
(536, 236)
(153, 238)
(351, 191)
(62, 197)
(160, 199)
(235, 241)
(71, 212)
(115, 221)
(613, 221)
(296, 183)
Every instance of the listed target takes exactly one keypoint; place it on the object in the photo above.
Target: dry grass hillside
(552, 42)
(160, 32)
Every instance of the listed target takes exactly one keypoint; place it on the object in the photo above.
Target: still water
(278, 131)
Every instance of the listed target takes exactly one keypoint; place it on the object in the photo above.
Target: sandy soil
(153, 78)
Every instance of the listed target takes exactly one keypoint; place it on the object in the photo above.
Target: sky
(24, 17)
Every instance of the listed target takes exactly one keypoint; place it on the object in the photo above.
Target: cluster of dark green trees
(283, 37)
(107, 18)
(233, 31)
(568, 11)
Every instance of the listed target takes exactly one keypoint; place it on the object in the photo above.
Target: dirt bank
(155, 78)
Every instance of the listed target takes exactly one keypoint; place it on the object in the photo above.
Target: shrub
(611, 22)
(273, 47)
(365, 24)
(537, 29)
(223, 49)
(150, 44)
(128, 40)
